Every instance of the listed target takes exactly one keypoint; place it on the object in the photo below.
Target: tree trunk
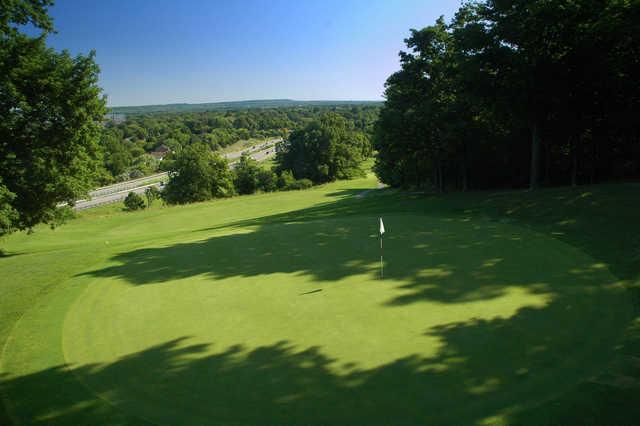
(574, 160)
(547, 163)
(465, 184)
(594, 157)
(435, 178)
(535, 157)
(464, 168)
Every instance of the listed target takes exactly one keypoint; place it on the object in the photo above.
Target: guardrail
(122, 186)
(113, 197)
(138, 186)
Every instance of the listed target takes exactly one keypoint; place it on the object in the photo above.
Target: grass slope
(496, 308)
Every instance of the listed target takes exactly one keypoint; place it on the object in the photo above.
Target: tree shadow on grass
(428, 257)
(6, 254)
(539, 366)
(498, 369)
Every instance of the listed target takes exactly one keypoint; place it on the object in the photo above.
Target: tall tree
(246, 173)
(197, 174)
(326, 149)
(51, 111)
(510, 94)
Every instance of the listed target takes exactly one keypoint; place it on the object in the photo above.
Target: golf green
(288, 321)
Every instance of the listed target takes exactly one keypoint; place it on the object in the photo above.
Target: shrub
(152, 193)
(133, 202)
(267, 181)
(300, 184)
(285, 179)
(136, 173)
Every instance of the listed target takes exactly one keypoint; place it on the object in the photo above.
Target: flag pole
(381, 232)
(381, 264)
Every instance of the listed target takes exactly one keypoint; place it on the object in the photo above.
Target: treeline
(232, 105)
(127, 144)
(327, 148)
(515, 93)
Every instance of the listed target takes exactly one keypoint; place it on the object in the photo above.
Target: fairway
(245, 312)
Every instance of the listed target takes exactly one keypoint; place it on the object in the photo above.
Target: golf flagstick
(381, 250)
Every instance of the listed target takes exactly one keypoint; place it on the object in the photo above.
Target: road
(113, 197)
(130, 184)
(118, 192)
(261, 148)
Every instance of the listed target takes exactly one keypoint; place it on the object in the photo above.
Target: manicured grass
(495, 308)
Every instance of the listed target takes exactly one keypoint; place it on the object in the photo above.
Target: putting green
(290, 323)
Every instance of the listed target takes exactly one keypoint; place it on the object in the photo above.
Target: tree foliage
(267, 181)
(125, 141)
(152, 194)
(8, 215)
(197, 174)
(510, 93)
(50, 114)
(246, 174)
(133, 202)
(15, 13)
(326, 149)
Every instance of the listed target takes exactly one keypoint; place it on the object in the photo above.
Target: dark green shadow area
(4, 254)
(485, 369)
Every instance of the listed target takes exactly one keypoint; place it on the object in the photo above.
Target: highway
(118, 192)
(113, 197)
(256, 151)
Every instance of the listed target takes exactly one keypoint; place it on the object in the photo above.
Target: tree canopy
(247, 173)
(51, 110)
(197, 174)
(511, 93)
(326, 149)
(128, 138)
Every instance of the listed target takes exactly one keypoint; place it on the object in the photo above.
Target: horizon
(195, 52)
(381, 100)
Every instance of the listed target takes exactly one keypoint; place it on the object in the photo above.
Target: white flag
(381, 227)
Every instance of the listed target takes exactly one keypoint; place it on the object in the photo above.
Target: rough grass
(496, 308)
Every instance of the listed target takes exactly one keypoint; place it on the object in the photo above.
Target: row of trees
(515, 93)
(326, 149)
(199, 174)
(126, 144)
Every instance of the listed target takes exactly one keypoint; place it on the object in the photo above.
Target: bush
(285, 179)
(300, 184)
(136, 174)
(133, 202)
(152, 193)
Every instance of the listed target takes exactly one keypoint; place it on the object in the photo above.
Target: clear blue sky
(157, 51)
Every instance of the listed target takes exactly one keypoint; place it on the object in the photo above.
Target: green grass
(495, 308)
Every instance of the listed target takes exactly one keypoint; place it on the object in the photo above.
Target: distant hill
(212, 106)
